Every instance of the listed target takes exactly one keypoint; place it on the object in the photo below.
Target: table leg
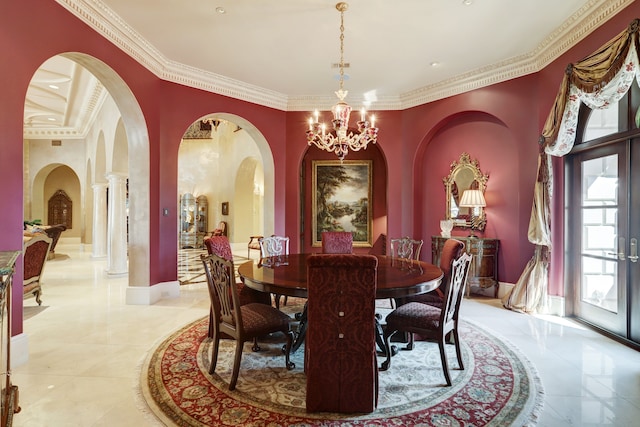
(302, 330)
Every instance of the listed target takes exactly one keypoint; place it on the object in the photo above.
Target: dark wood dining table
(287, 275)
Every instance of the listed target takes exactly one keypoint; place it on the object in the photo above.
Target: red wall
(498, 125)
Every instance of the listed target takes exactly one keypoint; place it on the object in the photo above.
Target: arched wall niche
(481, 135)
(379, 184)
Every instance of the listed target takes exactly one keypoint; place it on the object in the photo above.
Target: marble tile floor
(86, 344)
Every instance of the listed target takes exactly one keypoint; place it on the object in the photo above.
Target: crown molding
(588, 18)
(103, 20)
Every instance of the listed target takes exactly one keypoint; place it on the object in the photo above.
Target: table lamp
(473, 199)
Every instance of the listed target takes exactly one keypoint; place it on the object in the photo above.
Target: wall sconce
(474, 199)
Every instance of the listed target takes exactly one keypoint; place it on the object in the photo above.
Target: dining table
(287, 275)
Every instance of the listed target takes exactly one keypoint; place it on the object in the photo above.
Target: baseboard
(504, 289)
(19, 350)
(556, 305)
(148, 295)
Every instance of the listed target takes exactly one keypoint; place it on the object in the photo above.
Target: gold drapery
(592, 75)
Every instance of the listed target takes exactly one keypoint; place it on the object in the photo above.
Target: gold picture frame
(341, 199)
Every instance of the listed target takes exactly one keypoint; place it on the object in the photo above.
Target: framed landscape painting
(342, 199)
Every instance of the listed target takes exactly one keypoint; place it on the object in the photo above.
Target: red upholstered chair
(240, 322)
(219, 245)
(432, 322)
(337, 242)
(35, 254)
(451, 251)
(340, 353)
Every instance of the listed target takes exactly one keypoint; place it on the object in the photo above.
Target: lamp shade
(472, 199)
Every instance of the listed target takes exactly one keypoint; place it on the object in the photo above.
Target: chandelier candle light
(343, 140)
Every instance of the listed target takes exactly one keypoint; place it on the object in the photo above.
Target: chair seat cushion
(414, 315)
(261, 319)
(431, 298)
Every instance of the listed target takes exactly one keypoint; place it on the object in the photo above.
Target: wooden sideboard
(9, 392)
(483, 272)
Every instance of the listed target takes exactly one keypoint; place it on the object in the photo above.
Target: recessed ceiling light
(435, 64)
(54, 87)
(467, 2)
(221, 10)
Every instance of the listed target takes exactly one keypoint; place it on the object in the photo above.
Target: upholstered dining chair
(432, 322)
(337, 242)
(274, 246)
(240, 322)
(450, 251)
(35, 255)
(340, 352)
(219, 245)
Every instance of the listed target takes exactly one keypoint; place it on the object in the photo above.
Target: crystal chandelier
(343, 140)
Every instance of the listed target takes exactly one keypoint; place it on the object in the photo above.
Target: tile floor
(85, 346)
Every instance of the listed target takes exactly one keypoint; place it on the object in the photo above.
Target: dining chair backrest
(220, 246)
(455, 292)
(406, 248)
(337, 242)
(273, 246)
(450, 252)
(340, 363)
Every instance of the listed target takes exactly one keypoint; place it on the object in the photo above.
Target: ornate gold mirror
(465, 175)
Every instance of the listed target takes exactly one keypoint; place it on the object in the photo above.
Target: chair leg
(255, 346)
(236, 365)
(410, 343)
(443, 359)
(456, 337)
(210, 331)
(214, 352)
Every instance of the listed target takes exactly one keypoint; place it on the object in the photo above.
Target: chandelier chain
(341, 49)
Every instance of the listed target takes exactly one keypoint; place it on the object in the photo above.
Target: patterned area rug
(498, 387)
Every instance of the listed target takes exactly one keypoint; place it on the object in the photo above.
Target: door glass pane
(599, 206)
(599, 283)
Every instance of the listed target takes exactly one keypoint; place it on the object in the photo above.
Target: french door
(603, 237)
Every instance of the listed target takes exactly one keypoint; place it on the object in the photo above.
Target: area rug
(498, 386)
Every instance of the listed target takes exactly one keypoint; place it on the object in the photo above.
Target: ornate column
(99, 236)
(117, 225)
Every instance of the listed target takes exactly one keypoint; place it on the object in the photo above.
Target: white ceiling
(280, 53)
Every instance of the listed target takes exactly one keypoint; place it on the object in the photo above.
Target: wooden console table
(483, 272)
(9, 393)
